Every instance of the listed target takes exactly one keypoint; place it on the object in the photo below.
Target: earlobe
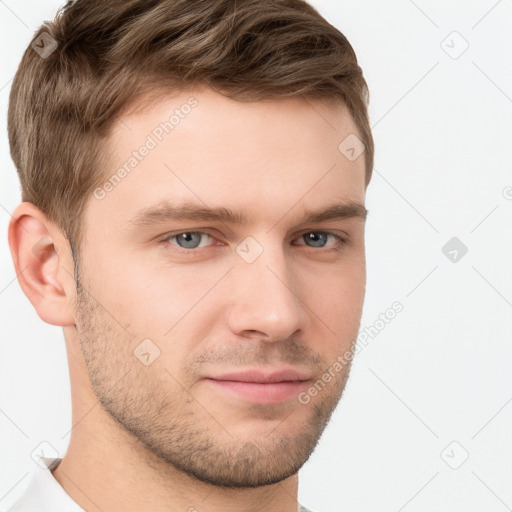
(43, 263)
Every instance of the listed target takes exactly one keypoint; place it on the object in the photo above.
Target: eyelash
(191, 252)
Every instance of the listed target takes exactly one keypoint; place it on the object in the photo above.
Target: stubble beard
(182, 434)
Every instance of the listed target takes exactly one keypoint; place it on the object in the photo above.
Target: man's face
(169, 308)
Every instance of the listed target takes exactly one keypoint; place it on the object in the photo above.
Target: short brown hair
(108, 53)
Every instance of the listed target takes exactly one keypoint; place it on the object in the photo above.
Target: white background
(441, 370)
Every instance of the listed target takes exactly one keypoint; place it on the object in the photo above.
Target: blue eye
(189, 239)
(316, 238)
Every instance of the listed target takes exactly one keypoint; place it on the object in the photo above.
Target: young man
(193, 177)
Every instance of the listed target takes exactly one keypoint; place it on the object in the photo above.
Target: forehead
(263, 157)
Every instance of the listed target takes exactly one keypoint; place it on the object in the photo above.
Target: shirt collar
(44, 493)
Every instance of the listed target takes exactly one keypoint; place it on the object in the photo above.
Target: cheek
(171, 306)
(151, 295)
(336, 301)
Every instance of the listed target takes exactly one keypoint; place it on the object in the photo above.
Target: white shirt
(45, 494)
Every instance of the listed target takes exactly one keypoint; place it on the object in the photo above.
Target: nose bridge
(266, 297)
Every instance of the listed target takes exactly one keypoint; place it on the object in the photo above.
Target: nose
(266, 301)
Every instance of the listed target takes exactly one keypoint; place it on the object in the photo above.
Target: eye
(318, 239)
(188, 239)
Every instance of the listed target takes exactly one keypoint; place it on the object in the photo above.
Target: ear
(44, 264)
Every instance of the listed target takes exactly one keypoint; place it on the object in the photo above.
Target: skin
(161, 436)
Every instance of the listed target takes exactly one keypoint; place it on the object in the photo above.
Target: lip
(263, 376)
(260, 386)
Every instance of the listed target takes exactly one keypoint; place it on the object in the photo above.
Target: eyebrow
(165, 211)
